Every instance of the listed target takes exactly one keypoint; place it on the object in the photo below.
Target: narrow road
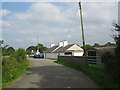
(47, 74)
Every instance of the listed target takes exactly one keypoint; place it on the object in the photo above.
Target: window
(68, 53)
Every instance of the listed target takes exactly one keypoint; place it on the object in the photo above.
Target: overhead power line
(66, 35)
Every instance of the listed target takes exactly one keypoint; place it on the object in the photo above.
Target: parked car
(39, 56)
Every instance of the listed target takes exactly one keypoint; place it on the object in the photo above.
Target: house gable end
(75, 47)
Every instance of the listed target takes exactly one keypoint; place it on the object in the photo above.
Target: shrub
(105, 57)
(111, 65)
(14, 66)
(19, 54)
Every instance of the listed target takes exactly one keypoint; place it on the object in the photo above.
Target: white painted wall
(55, 55)
(51, 55)
(60, 44)
(74, 48)
(61, 54)
(65, 43)
(77, 53)
(51, 45)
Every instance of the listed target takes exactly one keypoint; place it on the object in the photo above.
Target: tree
(87, 46)
(109, 44)
(4, 50)
(34, 48)
(96, 45)
(117, 50)
(117, 40)
(41, 48)
(1, 42)
(10, 50)
(19, 54)
(111, 61)
(30, 48)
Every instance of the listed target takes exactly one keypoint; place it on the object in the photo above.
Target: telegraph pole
(38, 43)
(83, 39)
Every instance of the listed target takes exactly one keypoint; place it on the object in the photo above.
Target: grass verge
(12, 70)
(95, 72)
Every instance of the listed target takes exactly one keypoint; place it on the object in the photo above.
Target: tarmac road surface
(44, 73)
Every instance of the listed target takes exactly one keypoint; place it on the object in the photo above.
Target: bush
(105, 57)
(14, 66)
(111, 66)
(19, 54)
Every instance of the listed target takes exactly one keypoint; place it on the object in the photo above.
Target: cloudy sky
(52, 22)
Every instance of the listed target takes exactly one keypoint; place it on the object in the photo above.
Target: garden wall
(79, 60)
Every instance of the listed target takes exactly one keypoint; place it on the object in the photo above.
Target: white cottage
(63, 49)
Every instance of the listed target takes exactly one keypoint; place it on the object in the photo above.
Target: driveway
(47, 74)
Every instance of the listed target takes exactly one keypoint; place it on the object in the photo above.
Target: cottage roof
(62, 49)
(110, 49)
(51, 49)
(57, 49)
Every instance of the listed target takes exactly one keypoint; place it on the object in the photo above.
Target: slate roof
(51, 49)
(57, 49)
(101, 50)
(110, 49)
(62, 49)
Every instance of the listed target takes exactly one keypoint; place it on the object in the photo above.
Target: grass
(30, 56)
(95, 72)
(0, 81)
(12, 70)
(13, 80)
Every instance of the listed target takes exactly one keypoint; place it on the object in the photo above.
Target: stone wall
(79, 60)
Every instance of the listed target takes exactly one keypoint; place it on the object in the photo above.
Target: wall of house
(77, 53)
(75, 47)
(79, 60)
(51, 55)
(61, 54)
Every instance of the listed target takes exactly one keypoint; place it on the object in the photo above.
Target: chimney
(32, 51)
(65, 43)
(51, 45)
(60, 44)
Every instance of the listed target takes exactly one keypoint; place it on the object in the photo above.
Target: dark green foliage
(111, 66)
(34, 48)
(6, 50)
(105, 57)
(96, 45)
(14, 66)
(41, 48)
(112, 62)
(110, 44)
(10, 50)
(1, 42)
(95, 72)
(30, 48)
(87, 46)
(105, 45)
(117, 40)
(19, 54)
